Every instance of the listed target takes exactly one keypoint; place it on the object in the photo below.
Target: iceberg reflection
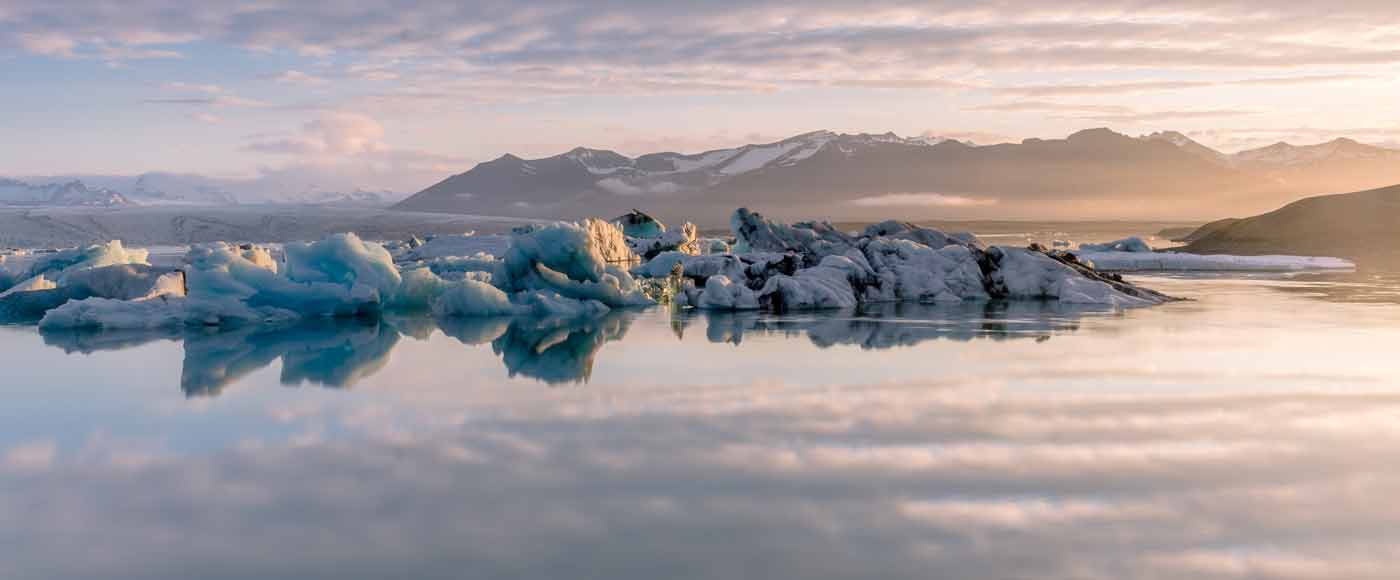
(883, 326)
(338, 353)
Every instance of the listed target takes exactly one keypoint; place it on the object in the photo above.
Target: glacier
(567, 270)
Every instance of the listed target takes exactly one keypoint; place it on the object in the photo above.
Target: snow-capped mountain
(849, 175)
(75, 193)
(1191, 146)
(159, 188)
(1286, 154)
(1337, 165)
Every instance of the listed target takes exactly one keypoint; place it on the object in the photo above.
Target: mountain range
(1091, 174)
(177, 189)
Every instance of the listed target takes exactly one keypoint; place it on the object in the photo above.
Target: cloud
(332, 134)
(620, 187)
(1169, 85)
(348, 149)
(298, 77)
(50, 44)
(1106, 113)
(638, 47)
(181, 86)
(920, 200)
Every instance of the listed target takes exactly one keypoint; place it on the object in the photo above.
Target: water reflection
(339, 353)
(883, 326)
(1247, 434)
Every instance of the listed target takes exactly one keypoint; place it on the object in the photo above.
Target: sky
(398, 94)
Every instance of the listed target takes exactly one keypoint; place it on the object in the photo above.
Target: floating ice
(1133, 244)
(636, 224)
(894, 261)
(1181, 262)
(472, 298)
(454, 246)
(722, 294)
(570, 270)
(579, 261)
(682, 240)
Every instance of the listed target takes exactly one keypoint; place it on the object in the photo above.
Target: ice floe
(1181, 262)
(1133, 244)
(560, 270)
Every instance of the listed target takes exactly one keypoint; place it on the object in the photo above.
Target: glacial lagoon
(1247, 432)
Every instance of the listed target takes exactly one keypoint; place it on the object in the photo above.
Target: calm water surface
(1250, 433)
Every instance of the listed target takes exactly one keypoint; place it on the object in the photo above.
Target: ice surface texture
(552, 270)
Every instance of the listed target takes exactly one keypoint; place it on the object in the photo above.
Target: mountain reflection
(341, 352)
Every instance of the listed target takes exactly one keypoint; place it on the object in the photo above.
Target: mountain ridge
(1159, 175)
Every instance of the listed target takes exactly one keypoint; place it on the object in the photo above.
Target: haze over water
(1248, 432)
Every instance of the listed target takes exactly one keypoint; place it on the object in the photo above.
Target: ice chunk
(1133, 244)
(699, 268)
(472, 298)
(1180, 262)
(572, 261)
(682, 240)
(454, 246)
(713, 246)
(908, 270)
(636, 224)
(336, 279)
(893, 229)
(128, 281)
(54, 265)
(1032, 274)
(810, 240)
(722, 294)
(31, 300)
(344, 260)
(159, 312)
(834, 283)
(30, 285)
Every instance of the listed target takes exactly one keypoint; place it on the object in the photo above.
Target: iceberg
(682, 240)
(1183, 262)
(636, 224)
(559, 270)
(813, 265)
(722, 294)
(1133, 244)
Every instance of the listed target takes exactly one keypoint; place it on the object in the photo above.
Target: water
(1250, 433)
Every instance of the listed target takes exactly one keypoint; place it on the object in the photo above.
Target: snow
(703, 161)
(1181, 262)
(1133, 244)
(1287, 154)
(759, 156)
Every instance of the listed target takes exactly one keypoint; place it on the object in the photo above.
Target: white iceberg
(556, 270)
(1133, 244)
(1181, 262)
